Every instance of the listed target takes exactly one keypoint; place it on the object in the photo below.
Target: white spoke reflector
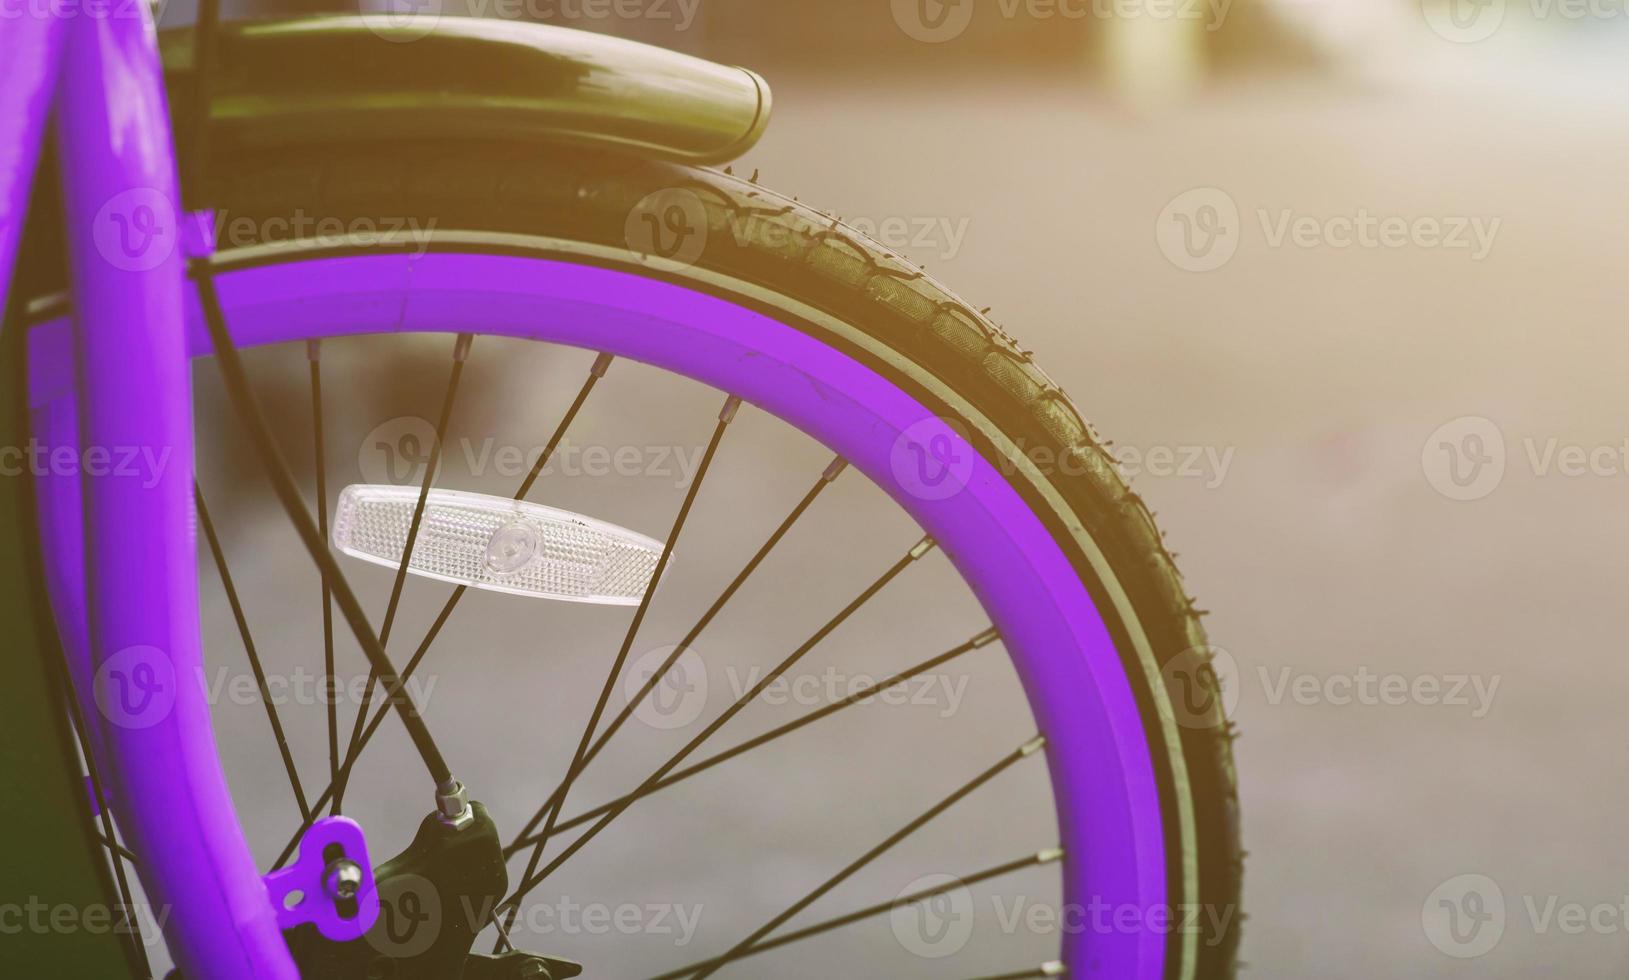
(497, 543)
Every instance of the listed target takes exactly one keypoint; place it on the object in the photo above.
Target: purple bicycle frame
(101, 77)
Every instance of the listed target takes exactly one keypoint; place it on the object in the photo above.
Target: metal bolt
(343, 880)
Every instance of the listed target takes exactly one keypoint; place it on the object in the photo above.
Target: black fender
(318, 78)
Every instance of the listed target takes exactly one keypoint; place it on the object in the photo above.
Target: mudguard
(324, 78)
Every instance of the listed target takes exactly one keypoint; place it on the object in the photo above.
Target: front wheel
(702, 277)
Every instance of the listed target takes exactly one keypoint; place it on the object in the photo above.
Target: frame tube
(119, 193)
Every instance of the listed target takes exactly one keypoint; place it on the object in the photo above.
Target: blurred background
(1356, 261)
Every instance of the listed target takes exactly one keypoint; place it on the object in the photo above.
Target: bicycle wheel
(723, 282)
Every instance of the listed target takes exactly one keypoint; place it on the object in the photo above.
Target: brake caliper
(414, 918)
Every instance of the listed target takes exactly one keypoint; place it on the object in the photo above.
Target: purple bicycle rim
(1103, 780)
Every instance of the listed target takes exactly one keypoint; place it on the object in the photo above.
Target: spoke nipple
(1049, 855)
(835, 470)
(452, 805)
(461, 348)
(313, 350)
(731, 404)
(1053, 969)
(1032, 746)
(986, 638)
(602, 364)
(922, 547)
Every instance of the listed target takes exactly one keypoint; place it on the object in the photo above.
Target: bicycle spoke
(249, 648)
(1052, 969)
(288, 494)
(461, 348)
(601, 365)
(373, 726)
(116, 858)
(831, 473)
(558, 797)
(870, 690)
(1023, 751)
(314, 357)
(118, 849)
(870, 911)
(530, 882)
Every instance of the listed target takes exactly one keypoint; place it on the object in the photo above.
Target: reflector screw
(512, 547)
(343, 879)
